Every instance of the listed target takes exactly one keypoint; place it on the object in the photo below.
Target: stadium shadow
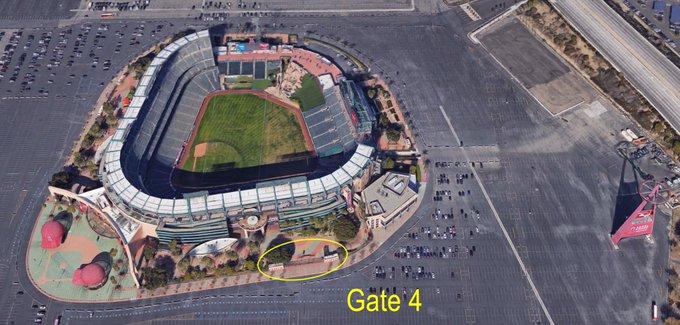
(188, 181)
(627, 197)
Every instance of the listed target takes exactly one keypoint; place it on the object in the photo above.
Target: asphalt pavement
(545, 191)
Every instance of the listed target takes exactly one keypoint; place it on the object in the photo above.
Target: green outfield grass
(244, 131)
(309, 95)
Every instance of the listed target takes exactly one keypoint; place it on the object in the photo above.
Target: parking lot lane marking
(498, 219)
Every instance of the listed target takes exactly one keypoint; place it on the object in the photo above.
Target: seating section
(330, 125)
(194, 233)
(182, 123)
(168, 116)
(142, 153)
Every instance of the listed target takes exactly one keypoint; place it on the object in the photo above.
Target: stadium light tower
(641, 221)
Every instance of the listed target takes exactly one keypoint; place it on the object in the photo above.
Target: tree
(388, 163)
(87, 142)
(393, 135)
(257, 237)
(249, 265)
(371, 93)
(194, 273)
(384, 121)
(166, 263)
(206, 262)
(224, 269)
(113, 252)
(175, 248)
(253, 247)
(111, 119)
(140, 65)
(345, 228)
(308, 231)
(149, 252)
(95, 130)
(108, 108)
(659, 127)
(183, 265)
(676, 148)
(282, 254)
(62, 179)
(153, 278)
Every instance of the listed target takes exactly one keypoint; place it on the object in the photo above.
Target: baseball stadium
(215, 135)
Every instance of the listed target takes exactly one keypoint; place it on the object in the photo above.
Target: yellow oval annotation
(259, 269)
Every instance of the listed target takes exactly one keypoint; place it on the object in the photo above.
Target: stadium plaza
(136, 164)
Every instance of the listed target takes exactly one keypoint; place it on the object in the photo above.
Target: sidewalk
(380, 236)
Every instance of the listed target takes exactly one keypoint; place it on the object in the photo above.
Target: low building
(387, 198)
(674, 19)
(658, 7)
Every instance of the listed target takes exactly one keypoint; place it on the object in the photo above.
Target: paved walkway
(379, 237)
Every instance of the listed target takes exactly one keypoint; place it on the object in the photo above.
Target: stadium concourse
(138, 198)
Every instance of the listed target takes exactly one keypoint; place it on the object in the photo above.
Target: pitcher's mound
(200, 150)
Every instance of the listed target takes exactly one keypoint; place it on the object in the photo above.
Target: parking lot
(67, 62)
(551, 182)
(49, 82)
(658, 20)
(37, 9)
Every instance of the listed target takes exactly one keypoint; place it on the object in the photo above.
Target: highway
(537, 195)
(644, 66)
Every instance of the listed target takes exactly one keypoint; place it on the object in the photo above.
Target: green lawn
(309, 95)
(262, 84)
(244, 131)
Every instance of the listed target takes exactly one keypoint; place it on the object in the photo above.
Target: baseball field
(238, 130)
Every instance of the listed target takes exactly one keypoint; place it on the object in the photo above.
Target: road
(552, 182)
(642, 64)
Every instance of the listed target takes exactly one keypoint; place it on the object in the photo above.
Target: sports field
(243, 130)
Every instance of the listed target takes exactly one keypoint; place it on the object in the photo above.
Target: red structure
(90, 275)
(83, 207)
(641, 221)
(52, 233)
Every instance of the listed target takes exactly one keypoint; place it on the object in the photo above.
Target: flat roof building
(674, 18)
(387, 198)
(659, 6)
